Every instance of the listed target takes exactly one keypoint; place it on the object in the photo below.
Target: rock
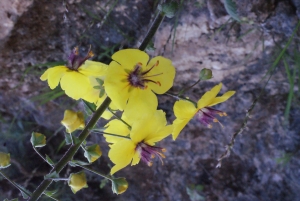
(10, 11)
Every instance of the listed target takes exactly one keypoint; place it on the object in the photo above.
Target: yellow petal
(178, 125)
(75, 84)
(158, 130)
(53, 75)
(128, 58)
(222, 98)
(208, 97)
(140, 102)
(116, 127)
(93, 68)
(136, 158)
(163, 73)
(116, 86)
(184, 109)
(121, 154)
(150, 128)
(159, 135)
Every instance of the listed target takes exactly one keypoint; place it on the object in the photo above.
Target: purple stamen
(207, 115)
(147, 152)
(75, 61)
(138, 79)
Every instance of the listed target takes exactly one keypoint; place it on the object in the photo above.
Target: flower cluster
(132, 81)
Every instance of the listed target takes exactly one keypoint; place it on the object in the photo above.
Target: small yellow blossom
(78, 77)
(185, 110)
(132, 82)
(73, 120)
(4, 160)
(144, 133)
(77, 181)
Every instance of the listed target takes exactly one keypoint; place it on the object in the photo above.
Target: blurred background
(242, 46)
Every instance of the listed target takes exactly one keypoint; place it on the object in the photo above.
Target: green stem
(188, 88)
(72, 150)
(119, 118)
(95, 172)
(157, 21)
(181, 98)
(114, 135)
(14, 184)
(41, 156)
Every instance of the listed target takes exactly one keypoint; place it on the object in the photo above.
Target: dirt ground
(264, 162)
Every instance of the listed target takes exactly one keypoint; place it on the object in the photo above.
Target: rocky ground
(264, 162)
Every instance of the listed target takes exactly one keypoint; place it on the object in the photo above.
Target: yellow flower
(73, 121)
(186, 110)
(131, 80)
(145, 132)
(78, 77)
(77, 181)
(4, 160)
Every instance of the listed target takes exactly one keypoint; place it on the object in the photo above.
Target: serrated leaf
(52, 175)
(231, 9)
(38, 139)
(92, 153)
(49, 160)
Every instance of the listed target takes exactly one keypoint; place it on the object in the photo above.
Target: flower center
(206, 116)
(147, 152)
(75, 60)
(139, 78)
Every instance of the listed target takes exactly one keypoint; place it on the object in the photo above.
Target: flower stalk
(86, 131)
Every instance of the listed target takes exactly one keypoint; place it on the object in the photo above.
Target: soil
(264, 160)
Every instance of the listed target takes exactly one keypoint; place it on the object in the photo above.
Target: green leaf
(49, 160)
(38, 139)
(25, 193)
(193, 194)
(90, 108)
(103, 183)
(119, 185)
(15, 199)
(231, 9)
(50, 193)
(53, 175)
(169, 9)
(75, 163)
(92, 153)
(68, 138)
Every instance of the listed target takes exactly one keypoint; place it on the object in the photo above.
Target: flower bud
(77, 181)
(4, 160)
(205, 74)
(73, 121)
